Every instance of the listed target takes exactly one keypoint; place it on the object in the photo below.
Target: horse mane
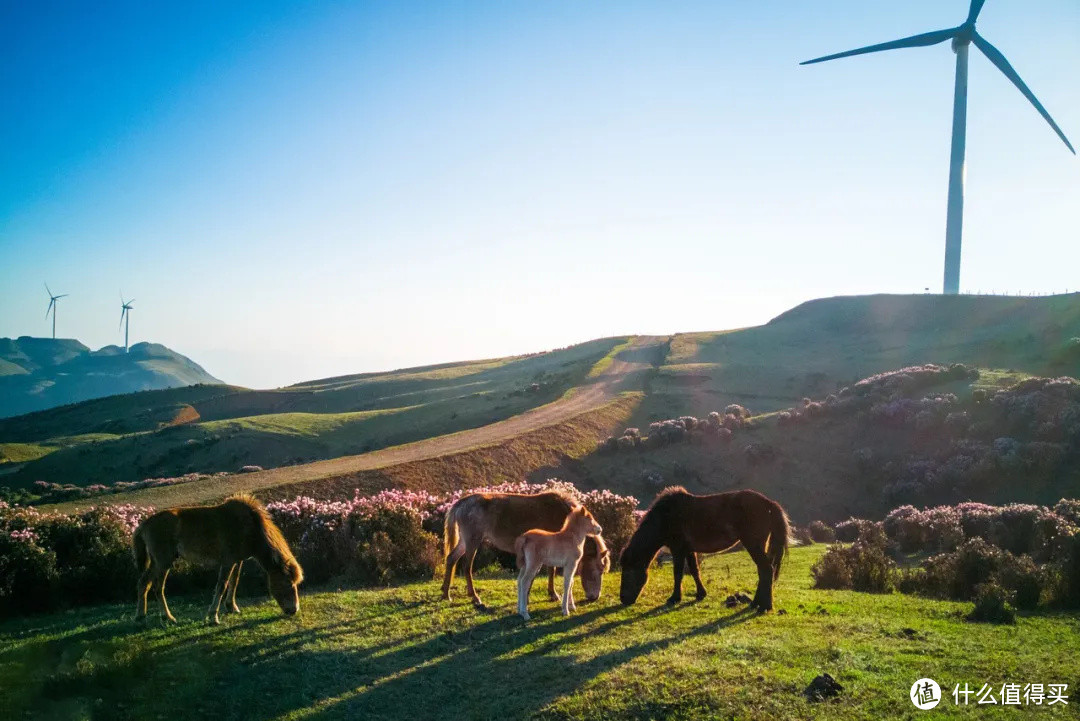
(667, 493)
(271, 535)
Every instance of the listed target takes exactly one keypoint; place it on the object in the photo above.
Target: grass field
(399, 653)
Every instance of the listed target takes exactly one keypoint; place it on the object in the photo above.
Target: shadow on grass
(266, 666)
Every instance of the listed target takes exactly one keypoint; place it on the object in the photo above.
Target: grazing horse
(689, 524)
(563, 549)
(499, 518)
(222, 535)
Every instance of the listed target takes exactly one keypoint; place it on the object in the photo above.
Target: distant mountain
(40, 373)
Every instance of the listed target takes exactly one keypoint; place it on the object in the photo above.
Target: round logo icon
(925, 694)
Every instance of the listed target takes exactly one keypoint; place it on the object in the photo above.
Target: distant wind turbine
(962, 36)
(52, 307)
(125, 318)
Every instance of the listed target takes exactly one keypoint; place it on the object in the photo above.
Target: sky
(296, 190)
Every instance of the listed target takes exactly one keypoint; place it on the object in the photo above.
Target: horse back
(502, 517)
(205, 535)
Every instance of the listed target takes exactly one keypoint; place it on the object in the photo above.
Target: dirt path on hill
(626, 372)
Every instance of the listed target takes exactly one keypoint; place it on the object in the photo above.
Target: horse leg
(219, 592)
(470, 556)
(142, 590)
(695, 573)
(553, 595)
(231, 584)
(451, 562)
(568, 604)
(763, 599)
(160, 581)
(677, 561)
(529, 576)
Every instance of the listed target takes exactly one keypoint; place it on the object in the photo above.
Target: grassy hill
(216, 428)
(824, 344)
(400, 653)
(40, 373)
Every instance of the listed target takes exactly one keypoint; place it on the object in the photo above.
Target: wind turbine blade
(973, 12)
(47, 290)
(915, 41)
(52, 301)
(131, 301)
(65, 295)
(121, 319)
(995, 56)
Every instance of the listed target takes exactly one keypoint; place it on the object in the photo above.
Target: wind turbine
(52, 307)
(962, 36)
(125, 317)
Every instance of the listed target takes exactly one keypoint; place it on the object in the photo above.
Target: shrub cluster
(50, 560)
(1018, 528)
(715, 427)
(1024, 554)
(46, 492)
(865, 565)
(395, 534)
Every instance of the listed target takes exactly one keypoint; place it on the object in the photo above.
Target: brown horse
(689, 524)
(222, 535)
(499, 518)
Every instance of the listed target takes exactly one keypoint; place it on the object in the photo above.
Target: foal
(563, 548)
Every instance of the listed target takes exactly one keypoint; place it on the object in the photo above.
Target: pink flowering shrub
(50, 560)
(396, 534)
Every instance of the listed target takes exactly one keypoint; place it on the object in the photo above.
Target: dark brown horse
(689, 524)
(222, 535)
(499, 518)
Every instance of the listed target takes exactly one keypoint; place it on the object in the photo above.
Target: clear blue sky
(297, 190)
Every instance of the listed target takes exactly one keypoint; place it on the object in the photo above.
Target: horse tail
(138, 548)
(779, 536)
(450, 531)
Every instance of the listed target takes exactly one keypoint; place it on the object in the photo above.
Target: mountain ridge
(41, 373)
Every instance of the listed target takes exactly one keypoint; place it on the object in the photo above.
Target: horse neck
(646, 542)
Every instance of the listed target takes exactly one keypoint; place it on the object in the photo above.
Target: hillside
(810, 351)
(222, 428)
(41, 373)
(825, 344)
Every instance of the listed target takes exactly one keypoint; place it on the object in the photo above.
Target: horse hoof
(700, 596)
(673, 600)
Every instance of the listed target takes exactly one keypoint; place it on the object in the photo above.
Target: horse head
(283, 578)
(594, 564)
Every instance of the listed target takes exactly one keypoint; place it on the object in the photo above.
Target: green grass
(400, 653)
(22, 452)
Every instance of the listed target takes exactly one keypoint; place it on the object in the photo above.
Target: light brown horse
(689, 524)
(562, 549)
(222, 535)
(499, 518)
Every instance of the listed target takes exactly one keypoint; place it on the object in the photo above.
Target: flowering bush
(863, 566)
(1018, 528)
(49, 559)
(356, 539)
(821, 532)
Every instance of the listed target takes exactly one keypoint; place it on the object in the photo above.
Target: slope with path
(626, 372)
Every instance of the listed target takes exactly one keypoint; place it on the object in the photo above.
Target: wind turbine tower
(125, 318)
(962, 37)
(52, 307)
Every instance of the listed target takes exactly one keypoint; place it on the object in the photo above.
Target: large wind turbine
(962, 36)
(52, 307)
(125, 318)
